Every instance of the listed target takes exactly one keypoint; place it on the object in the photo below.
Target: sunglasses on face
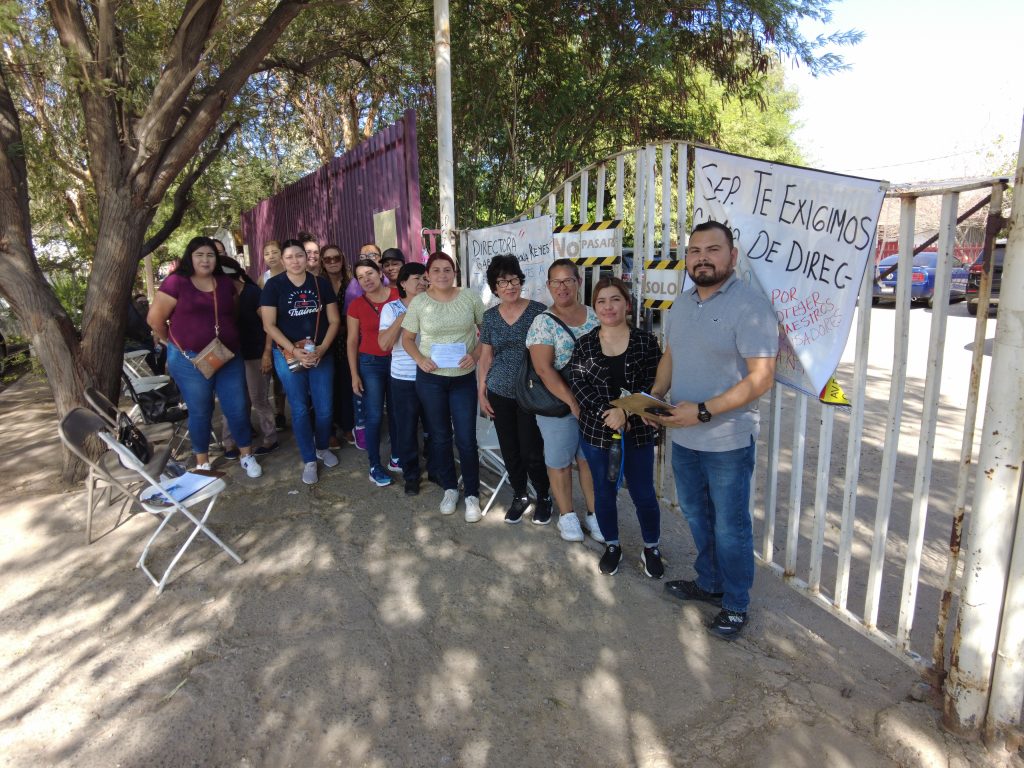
(330, 259)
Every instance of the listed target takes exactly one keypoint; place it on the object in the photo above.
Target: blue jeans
(228, 383)
(302, 386)
(714, 494)
(638, 469)
(375, 371)
(449, 405)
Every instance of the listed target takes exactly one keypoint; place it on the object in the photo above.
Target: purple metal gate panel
(337, 201)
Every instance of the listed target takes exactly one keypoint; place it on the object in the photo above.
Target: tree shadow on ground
(366, 629)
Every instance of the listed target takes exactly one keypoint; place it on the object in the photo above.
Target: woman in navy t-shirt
(300, 313)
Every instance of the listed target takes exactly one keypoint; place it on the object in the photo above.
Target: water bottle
(309, 347)
(615, 458)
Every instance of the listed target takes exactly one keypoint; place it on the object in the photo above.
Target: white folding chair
(164, 505)
(138, 373)
(490, 457)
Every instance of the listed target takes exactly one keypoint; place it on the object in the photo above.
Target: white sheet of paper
(180, 488)
(447, 355)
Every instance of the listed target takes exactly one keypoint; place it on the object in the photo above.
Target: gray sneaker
(327, 457)
(309, 475)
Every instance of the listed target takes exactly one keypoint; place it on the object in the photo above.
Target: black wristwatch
(703, 414)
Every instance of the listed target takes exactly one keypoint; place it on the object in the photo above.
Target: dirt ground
(365, 629)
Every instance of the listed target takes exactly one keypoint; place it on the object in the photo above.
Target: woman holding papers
(446, 319)
(608, 360)
(370, 365)
(503, 347)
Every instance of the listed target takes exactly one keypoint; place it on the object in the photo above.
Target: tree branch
(183, 194)
(98, 105)
(162, 170)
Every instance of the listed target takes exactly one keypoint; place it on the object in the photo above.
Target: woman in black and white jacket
(607, 360)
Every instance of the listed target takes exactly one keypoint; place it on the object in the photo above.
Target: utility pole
(445, 155)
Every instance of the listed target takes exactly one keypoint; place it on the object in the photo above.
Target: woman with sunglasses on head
(336, 270)
(607, 360)
(550, 347)
(446, 319)
(502, 350)
(300, 313)
(193, 306)
(369, 364)
(411, 281)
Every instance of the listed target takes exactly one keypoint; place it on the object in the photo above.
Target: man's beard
(714, 277)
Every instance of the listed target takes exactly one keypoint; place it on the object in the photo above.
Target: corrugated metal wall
(337, 201)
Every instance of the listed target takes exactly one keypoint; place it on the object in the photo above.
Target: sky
(935, 90)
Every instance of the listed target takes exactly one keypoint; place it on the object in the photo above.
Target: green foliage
(69, 286)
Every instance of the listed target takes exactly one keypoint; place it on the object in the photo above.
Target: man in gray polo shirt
(722, 339)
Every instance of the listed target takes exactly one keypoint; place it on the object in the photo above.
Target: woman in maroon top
(370, 365)
(193, 305)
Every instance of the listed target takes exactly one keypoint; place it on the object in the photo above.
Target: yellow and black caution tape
(658, 303)
(665, 264)
(833, 394)
(594, 261)
(589, 226)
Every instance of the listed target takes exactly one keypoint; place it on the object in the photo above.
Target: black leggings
(522, 447)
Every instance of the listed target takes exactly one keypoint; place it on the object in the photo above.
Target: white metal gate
(846, 532)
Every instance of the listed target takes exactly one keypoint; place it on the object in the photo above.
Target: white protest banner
(529, 241)
(806, 237)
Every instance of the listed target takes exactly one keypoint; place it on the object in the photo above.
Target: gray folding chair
(160, 501)
(106, 472)
(164, 432)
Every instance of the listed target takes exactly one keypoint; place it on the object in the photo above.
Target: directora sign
(805, 237)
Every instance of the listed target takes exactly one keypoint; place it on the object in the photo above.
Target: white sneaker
(205, 466)
(594, 528)
(473, 513)
(451, 498)
(309, 475)
(569, 527)
(327, 457)
(251, 466)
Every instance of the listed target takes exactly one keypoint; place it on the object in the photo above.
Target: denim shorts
(561, 440)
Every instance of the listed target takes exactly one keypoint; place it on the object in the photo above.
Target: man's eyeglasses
(566, 283)
(515, 282)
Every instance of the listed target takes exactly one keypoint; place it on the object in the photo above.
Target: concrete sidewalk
(365, 629)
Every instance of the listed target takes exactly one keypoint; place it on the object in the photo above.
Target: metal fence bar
(853, 440)
(682, 231)
(772, 491)
(584, 196)
(666, 201)
(796, 483)
(908, 207)
(930, 410)
(967, 444)
(821, 496)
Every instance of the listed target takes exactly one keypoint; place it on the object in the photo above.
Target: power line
(917, 162)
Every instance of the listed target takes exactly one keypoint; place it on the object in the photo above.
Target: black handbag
(531, 394)
(131, 437)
